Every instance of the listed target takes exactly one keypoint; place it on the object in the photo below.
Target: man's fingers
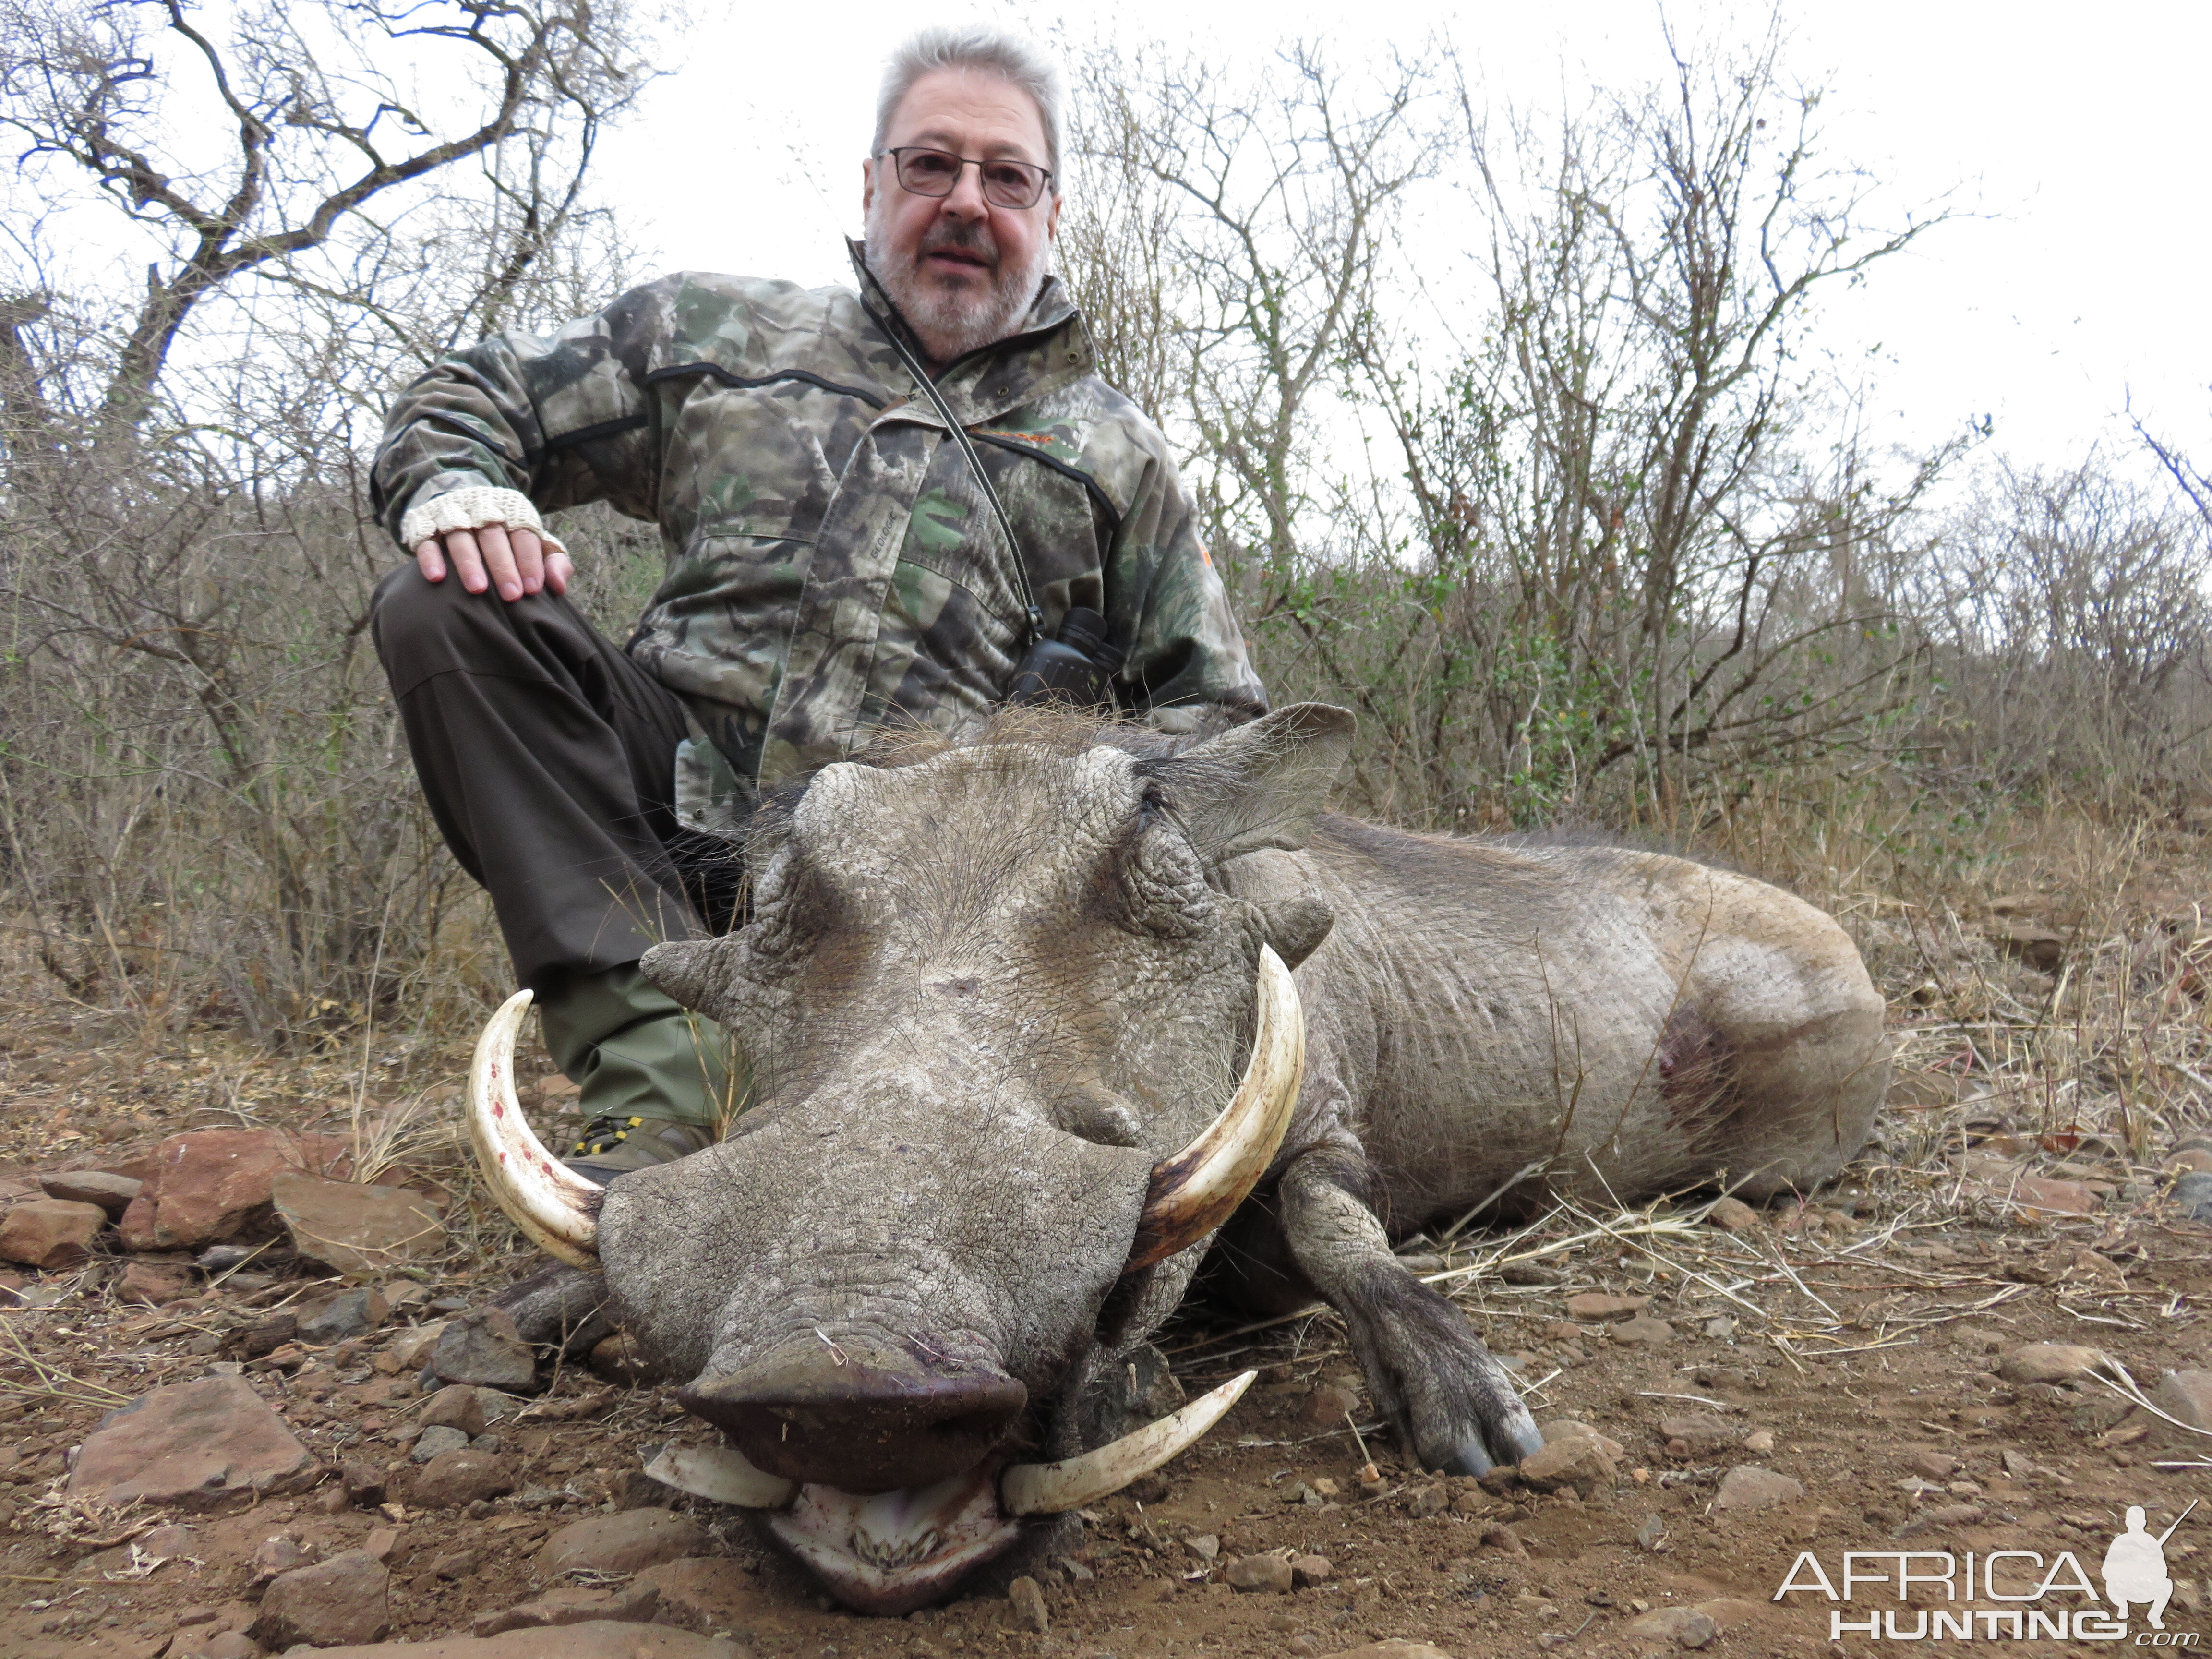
(515, 562)
(529, 558)
(467, 560)
(499, 560)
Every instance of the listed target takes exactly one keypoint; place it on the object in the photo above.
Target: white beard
(952, 322)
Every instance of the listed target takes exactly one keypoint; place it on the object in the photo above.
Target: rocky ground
(251, 1402)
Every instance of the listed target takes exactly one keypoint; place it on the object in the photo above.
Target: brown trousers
(548, 761)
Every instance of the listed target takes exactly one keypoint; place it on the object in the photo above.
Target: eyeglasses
(937, 172)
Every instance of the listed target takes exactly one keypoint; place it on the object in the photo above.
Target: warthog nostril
(875, 1423)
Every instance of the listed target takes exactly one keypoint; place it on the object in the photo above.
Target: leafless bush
(2069, 617)
(205, 807)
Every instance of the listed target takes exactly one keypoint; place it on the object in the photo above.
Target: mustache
(972, 238)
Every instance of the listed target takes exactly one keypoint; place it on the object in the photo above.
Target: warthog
(996, 994)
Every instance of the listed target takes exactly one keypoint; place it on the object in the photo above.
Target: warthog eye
(1159, 883)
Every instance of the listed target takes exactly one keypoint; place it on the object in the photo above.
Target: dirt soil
(1850, 1345)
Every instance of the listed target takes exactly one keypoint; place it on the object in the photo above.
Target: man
(2134, 1569)
(833, 564)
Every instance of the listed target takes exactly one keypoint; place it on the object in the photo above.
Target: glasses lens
(1012, 183)
(928, 172)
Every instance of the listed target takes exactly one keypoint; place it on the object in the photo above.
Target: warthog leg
(1450, 1401)
(558, 1306)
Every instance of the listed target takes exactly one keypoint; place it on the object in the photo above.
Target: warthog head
(1015, 1051)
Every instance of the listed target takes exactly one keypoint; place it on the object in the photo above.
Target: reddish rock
(1308, 1569)
(602, 1638)
(1930, 1465)
(1685, 1626)
(357, 1312)
(1728, 1612)
(152, 1283)
(363, 1232)
(363, 1485)
(1498, 1536)
(453, 1479)
(1748, 1488)
(47, 1233)
(1593, 1308)
(632, 1604)
(2051, 1362)
(2186, 1395)
(2039, 1199)
(112, 1193)
(407, 1351)
(1574, 1461)
(195, 1444)
(1702, 1432)
(483, 1347)
(453, 1407)
(276, 1556)
(1026, 1598)
(214, 1184)
(1326, 1405)
(1732, 1215)
(707, 1593)
(346, 1598)
(628, 1543)
(1558, 1428)
(1261, 1574)
(619, 1358)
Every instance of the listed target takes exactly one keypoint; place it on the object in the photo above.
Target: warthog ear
(694, 971)
(1260, 786)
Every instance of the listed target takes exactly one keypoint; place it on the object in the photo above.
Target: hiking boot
(658, 1082)
(613, 1145)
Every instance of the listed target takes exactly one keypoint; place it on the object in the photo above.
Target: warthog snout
(860, 1421)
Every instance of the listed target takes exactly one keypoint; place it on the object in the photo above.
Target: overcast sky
(2076, 136)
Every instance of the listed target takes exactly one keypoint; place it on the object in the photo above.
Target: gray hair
(990, 51)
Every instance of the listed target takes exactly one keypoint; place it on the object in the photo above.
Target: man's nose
(967, 198)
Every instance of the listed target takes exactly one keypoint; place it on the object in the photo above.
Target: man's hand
(515, 562)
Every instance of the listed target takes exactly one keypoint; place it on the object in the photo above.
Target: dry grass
(2047, 969)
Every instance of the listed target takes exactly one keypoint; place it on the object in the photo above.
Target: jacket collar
(1051, 348)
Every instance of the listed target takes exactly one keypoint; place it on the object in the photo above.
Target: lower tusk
(720, 1474)
(1053, 1488)
(556, 1208)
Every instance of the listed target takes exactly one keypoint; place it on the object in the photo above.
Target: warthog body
(987, 989)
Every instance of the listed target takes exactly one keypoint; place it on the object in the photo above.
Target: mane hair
(1052, 728)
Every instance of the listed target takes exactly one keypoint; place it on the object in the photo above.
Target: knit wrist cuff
(472, 509)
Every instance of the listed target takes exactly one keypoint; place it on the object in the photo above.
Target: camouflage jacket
(830, 562)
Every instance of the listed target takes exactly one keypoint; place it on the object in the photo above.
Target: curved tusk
(1052, 1488)
(556, 1208)
(722, 1475)
(1194, 1192)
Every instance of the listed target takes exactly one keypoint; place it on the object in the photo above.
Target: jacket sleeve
(1166, 600)
(564, 418)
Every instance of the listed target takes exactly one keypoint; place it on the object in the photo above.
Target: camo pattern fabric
(832, 564)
